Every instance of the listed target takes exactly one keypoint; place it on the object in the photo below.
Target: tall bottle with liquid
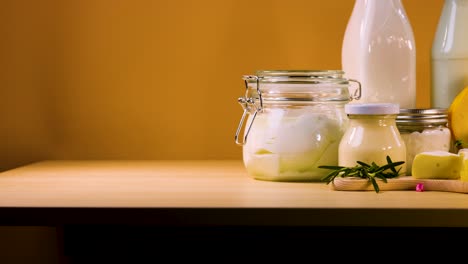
(379, 51)
(449, 61)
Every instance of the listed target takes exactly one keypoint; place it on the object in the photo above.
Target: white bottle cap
(372, 109)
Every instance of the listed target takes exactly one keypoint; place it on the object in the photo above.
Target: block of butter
(437, 165)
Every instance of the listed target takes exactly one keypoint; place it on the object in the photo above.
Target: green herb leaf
(374, 183)
(459, 144)
(363, 164)
(365, 171)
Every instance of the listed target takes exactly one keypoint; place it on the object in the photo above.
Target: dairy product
(372, 135)
(449, 77)
(430, 139)
(289, 144)
(295, 120)
(450, 53)
(464, 171)
(379, 50)
(437, 165)
(368, 142)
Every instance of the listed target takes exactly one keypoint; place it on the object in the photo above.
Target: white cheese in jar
(431, 139)
(423, 130)
(289, 144)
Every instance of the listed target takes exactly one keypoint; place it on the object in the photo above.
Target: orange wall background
(153, 79)
(158, 79)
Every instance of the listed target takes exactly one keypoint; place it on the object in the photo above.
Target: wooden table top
(209, 192)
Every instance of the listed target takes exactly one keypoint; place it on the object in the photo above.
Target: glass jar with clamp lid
(293, 122)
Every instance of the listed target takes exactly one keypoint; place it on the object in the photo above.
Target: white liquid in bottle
(450, 54)
(379, 51)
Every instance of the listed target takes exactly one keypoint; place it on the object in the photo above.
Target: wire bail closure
(357, 93)
(250, 106)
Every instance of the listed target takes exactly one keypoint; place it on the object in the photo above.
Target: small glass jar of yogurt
(372, 135)
(423, 130)
(293, 122)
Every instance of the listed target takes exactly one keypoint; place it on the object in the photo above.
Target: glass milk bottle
(450, 54)
(379, 50)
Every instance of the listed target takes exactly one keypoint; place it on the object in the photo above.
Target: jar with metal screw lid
(293, 122)
(423, 130)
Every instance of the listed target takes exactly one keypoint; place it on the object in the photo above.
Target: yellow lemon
(458, 117)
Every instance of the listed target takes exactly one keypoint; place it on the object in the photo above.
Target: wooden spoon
(399, 184)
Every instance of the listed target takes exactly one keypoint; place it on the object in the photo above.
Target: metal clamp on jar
(293, 122)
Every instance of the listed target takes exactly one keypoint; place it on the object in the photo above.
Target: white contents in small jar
(424, 130)
(372, 136)
(289, 144)
(430, 139)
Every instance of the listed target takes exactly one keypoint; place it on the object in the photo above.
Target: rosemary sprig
(365, 171)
